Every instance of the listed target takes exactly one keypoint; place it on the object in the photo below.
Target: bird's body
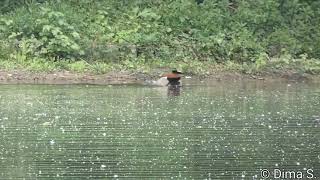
(168, 79)
(173, 78)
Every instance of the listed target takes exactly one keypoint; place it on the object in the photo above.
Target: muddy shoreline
(125, 77)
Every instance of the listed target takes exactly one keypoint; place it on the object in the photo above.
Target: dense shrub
(115, 30)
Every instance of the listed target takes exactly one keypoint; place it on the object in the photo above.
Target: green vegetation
(193, 35)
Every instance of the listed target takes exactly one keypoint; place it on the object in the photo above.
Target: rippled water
(221, 131)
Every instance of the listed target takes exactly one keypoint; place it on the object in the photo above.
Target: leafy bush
(180, 30)
(43, 32)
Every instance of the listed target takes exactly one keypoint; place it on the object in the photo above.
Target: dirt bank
(125, 77)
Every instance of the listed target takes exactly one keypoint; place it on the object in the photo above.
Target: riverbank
(41, 71)
(130, 77)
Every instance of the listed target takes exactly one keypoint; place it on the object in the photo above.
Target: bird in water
(169, 79)
(173, 78)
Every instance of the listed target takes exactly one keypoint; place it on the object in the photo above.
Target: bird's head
(175, 71)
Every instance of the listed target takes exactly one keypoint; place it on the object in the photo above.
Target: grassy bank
(276, 66)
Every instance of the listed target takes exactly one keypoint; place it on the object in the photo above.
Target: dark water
(222, 131)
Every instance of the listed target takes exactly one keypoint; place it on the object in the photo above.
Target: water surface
(221, 131)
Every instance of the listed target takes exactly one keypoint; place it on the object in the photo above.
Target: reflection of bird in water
(173, 90)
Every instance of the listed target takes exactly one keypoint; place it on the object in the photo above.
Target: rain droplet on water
(52, 142)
